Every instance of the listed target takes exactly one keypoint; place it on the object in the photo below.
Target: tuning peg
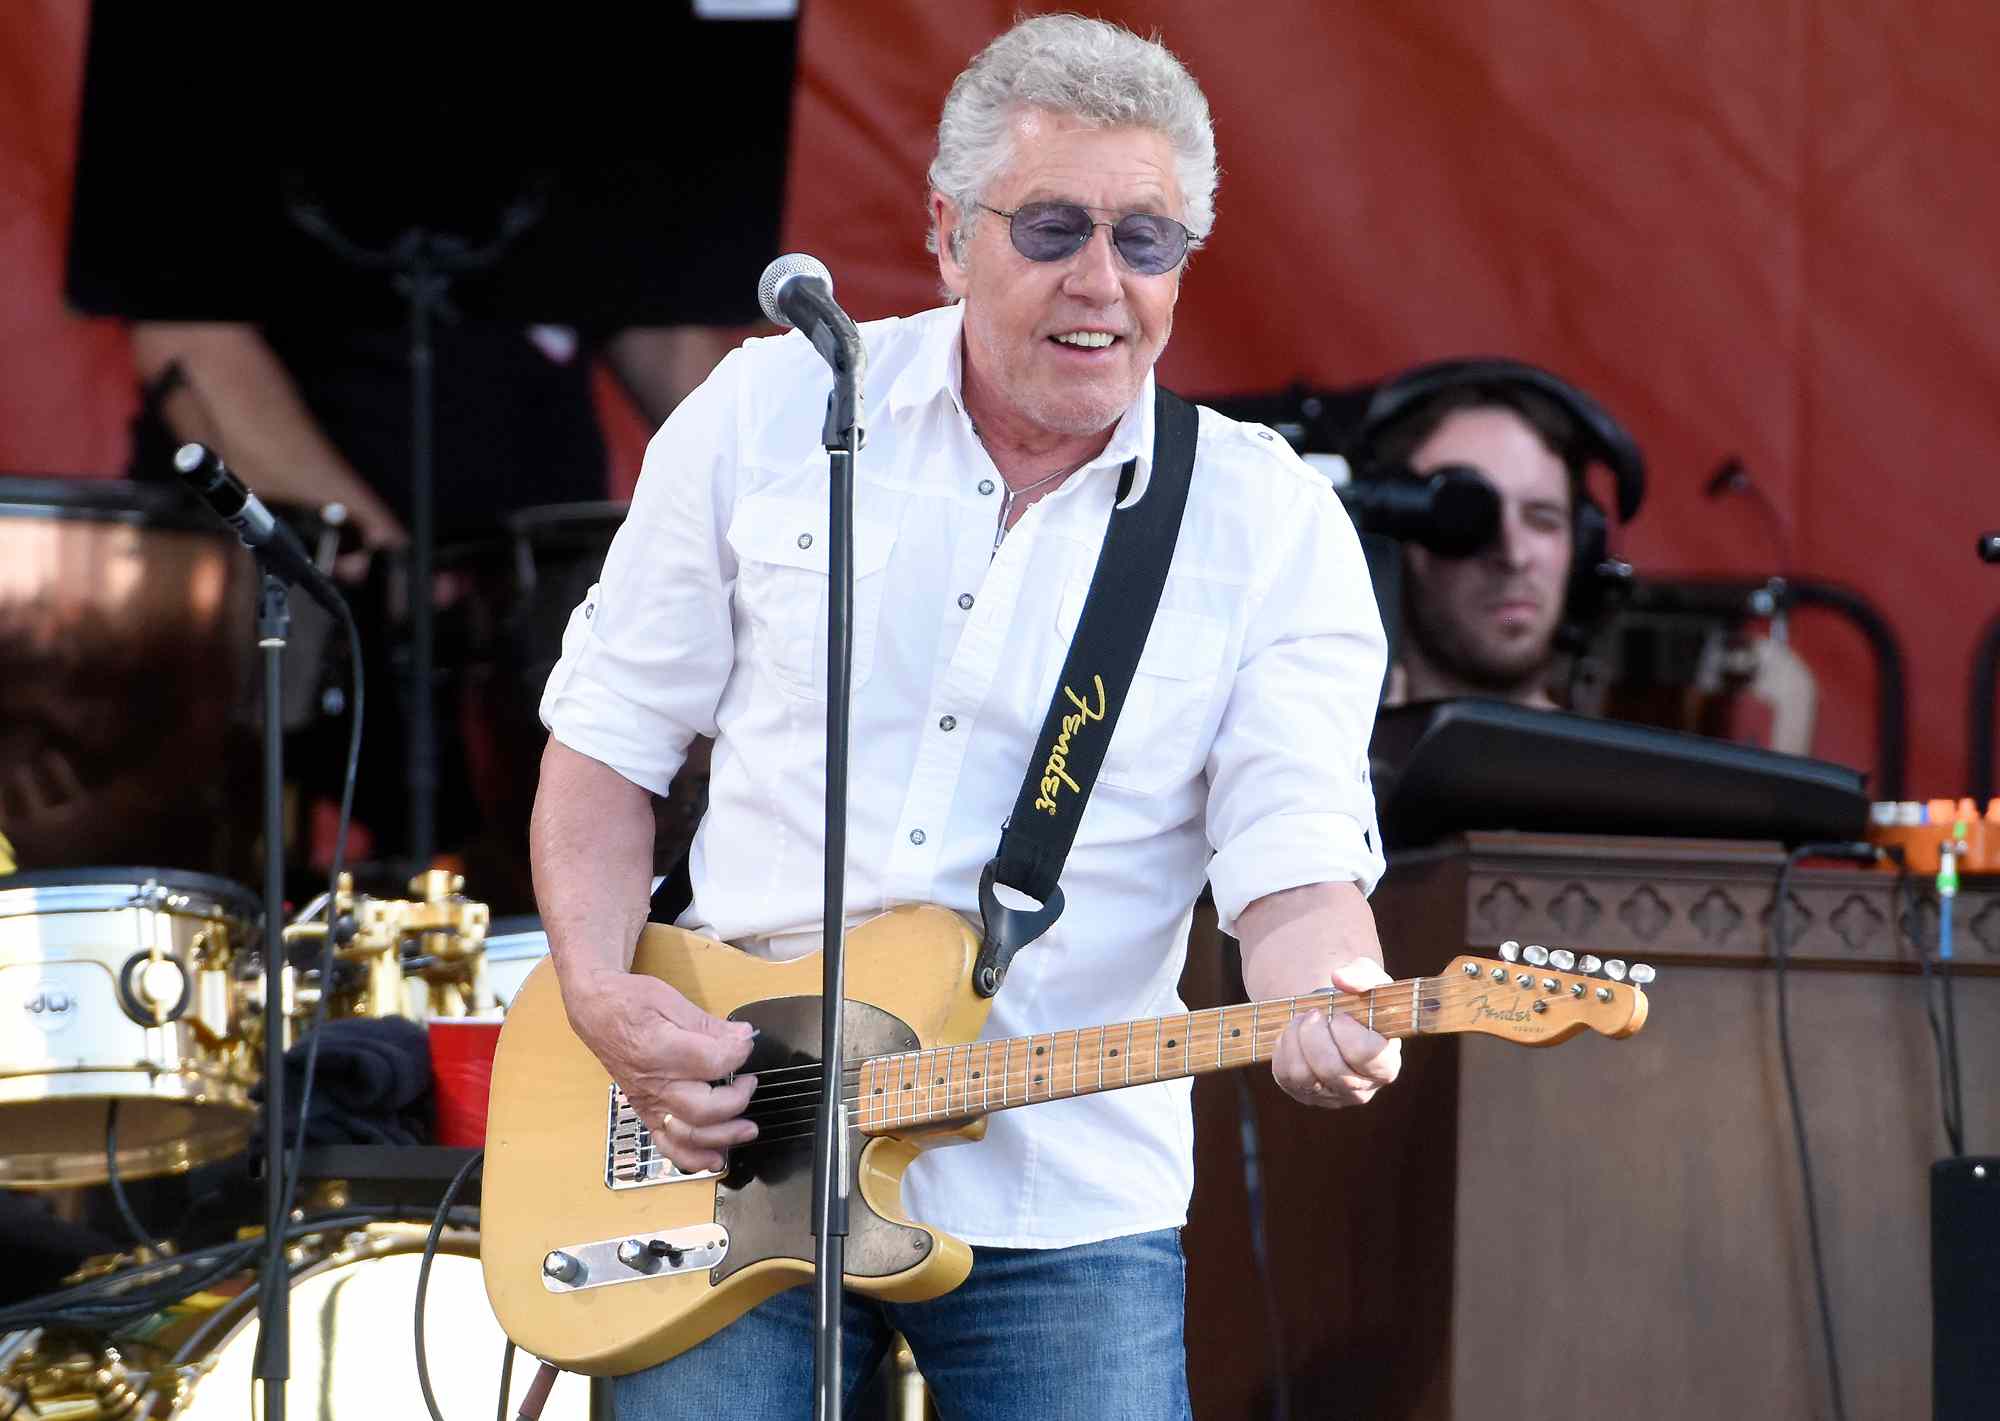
(1510, 951)
(1641, 975)
(1615, 969)
(1590, 965)
(1537, 956)
(1563, 960)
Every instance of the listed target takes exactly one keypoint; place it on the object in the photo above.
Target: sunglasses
(1055, 231)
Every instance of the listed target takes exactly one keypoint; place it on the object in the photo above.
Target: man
(1075, 163)
(1485, 625)
(1488, 624)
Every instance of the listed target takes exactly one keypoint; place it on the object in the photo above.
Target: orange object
(462, 1071)
(1920, 842)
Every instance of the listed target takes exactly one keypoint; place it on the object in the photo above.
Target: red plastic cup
(462, 1072)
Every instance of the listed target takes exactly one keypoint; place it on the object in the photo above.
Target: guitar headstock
(1537, 997)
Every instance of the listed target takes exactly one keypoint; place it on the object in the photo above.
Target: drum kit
(132, 1016)
(131, 1051)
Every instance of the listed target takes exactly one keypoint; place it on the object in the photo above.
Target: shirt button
(949, 722)
(805, 540)
(986, 485)
(916, 836)
(965, 601)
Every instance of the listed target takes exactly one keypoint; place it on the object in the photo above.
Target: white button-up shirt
(1240, 755)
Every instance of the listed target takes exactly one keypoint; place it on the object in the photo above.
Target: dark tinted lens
(1150, 244)
(1049, 231)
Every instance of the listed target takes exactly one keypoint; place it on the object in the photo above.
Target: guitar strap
(1103, 655)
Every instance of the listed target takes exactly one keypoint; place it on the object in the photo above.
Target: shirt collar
(938, 368)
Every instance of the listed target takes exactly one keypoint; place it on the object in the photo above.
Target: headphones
(1599, 439)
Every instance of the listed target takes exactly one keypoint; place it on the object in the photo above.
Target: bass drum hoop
(213, 1384)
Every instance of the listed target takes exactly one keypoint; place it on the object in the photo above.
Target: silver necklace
(1010, 493)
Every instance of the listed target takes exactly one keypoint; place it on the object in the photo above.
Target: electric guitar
(601, 1257)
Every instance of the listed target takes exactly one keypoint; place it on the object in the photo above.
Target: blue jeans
(1033, 1335)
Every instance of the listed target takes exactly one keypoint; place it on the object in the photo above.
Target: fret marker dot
(940, 1080)
(1238, 1031)
(1114, 1050)
(1038, 1080)
(975, 1075)
(1041, 1050)
(1170, 1045)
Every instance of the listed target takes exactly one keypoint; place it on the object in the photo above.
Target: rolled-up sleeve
(1290, 802)
(647, 653)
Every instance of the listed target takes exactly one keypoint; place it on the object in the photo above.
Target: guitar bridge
(631, 1160)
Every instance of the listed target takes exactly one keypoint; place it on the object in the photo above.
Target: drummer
(310, 415)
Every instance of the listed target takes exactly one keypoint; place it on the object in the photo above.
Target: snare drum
(120, 985)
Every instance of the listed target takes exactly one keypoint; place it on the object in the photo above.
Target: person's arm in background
(239, 398)
(657, 366)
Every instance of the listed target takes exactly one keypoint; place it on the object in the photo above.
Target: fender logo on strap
(1055, 774)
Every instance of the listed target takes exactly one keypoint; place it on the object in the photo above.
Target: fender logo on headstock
(1482, 1012)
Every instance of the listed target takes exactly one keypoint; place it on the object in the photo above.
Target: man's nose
(1509, 547)
(1093, 271)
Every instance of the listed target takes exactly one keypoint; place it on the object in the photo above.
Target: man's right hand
(665, 1051)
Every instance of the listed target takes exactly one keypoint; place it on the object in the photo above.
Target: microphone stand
(422, 264)
(831, 1166)
(274, 1320)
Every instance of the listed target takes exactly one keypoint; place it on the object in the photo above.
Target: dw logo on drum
(50, 1008)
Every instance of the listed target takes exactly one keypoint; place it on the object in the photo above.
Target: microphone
(1453, 511)
(276, 545)
(797, 291)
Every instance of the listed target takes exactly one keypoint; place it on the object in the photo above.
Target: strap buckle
(1004, 931)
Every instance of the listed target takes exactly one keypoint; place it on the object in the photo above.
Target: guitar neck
(944, 1084)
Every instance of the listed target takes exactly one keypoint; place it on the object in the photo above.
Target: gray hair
(1085, 68)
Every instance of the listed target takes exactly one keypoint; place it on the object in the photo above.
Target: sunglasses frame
(1187, 237)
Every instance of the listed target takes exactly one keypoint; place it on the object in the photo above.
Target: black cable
(1780, 946)
(1954, 1131)
(331, 944)
(132, 1224)
(465, 1172)
(135, 1293)
(1950, 1083)
(1260, 1254)
(506, 1380)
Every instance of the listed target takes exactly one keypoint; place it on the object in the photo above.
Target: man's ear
(945, 222)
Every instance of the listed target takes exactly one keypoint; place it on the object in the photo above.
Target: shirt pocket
(1159, 740)
(782, 556)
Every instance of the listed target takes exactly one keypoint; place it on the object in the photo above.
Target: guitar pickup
(599, 1264)
(631, 1159)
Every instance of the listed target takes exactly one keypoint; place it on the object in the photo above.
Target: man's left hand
(1329, 1060)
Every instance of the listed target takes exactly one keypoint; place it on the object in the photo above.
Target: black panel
(661, 139)
(1447, 766)
(1965, 1288)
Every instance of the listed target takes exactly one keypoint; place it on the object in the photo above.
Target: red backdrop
(1752, 229)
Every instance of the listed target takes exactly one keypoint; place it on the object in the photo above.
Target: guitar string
(1387, 1016)
(1353, 1007)
(798, 1105)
